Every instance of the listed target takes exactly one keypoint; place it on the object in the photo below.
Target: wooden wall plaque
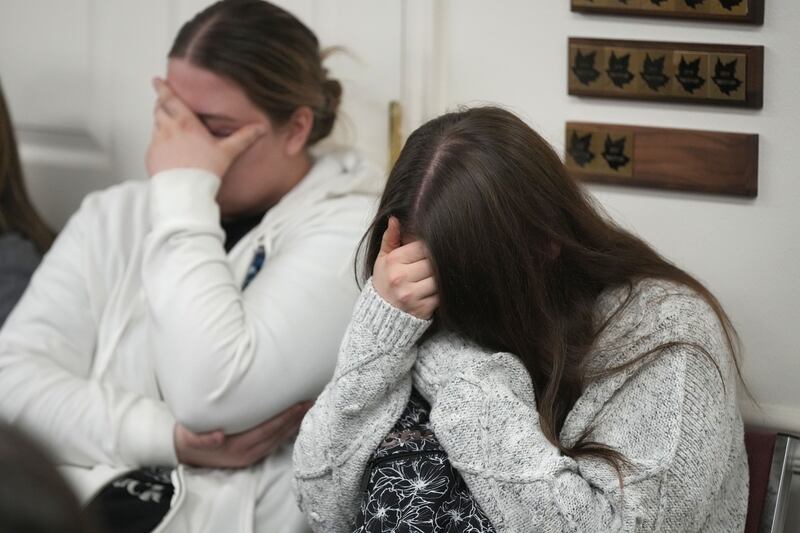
(743, 11)
(686, 160)
(714, 74)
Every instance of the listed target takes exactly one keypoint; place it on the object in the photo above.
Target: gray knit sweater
(674, 417)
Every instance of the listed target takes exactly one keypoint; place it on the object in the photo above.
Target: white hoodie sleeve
(46, 351)
(228, 359)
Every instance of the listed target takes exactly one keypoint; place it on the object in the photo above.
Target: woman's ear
(298, 129)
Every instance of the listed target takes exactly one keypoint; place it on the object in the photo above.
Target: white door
(77, 76)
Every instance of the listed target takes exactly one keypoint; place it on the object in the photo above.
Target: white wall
(746, 251)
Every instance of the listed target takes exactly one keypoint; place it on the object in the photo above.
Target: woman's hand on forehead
(181, 140)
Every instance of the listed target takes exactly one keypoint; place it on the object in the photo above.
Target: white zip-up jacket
(136, 320)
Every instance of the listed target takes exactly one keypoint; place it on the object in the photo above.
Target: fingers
(288, 428)
(411, 252)
(242, 139)
(425, 288)
(392, 238)
(263, 448)
(408, 264)
(417, 271)
(172, 105)
(253, 445)
(415, 280)
(210, 440)
(272, 427)
(167, 100)
(162, 118)
(215, 449)
(409, 296)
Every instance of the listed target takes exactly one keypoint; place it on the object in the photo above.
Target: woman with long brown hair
(23, 234)
(172, 337)
(571, 377)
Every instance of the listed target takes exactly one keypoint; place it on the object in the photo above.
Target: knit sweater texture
(672, 415)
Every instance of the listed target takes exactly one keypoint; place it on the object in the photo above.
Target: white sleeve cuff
(184, 194)
(146, 435)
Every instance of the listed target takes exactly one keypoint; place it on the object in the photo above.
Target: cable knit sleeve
(671, 417)
(370, 388)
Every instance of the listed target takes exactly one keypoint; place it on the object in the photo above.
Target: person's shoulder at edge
(19, 259)
(18, 253)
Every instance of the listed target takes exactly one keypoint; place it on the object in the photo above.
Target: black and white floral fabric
(410, 485)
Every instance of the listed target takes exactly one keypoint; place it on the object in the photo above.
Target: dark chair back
(760, 446)
(769, 456)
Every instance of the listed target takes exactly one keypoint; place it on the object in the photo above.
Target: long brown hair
(16, 210)
(269, 53)
(520, 252)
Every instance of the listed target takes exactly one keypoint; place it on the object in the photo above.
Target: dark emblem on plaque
(689, 75)
(730, 4)
(694, 3)
(618, 70)
(725, 76)
(653, 72)
(614, 153)
(657, 2)
(584, 67)
(579, 149)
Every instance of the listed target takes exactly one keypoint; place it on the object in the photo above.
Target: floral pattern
(410, 485)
